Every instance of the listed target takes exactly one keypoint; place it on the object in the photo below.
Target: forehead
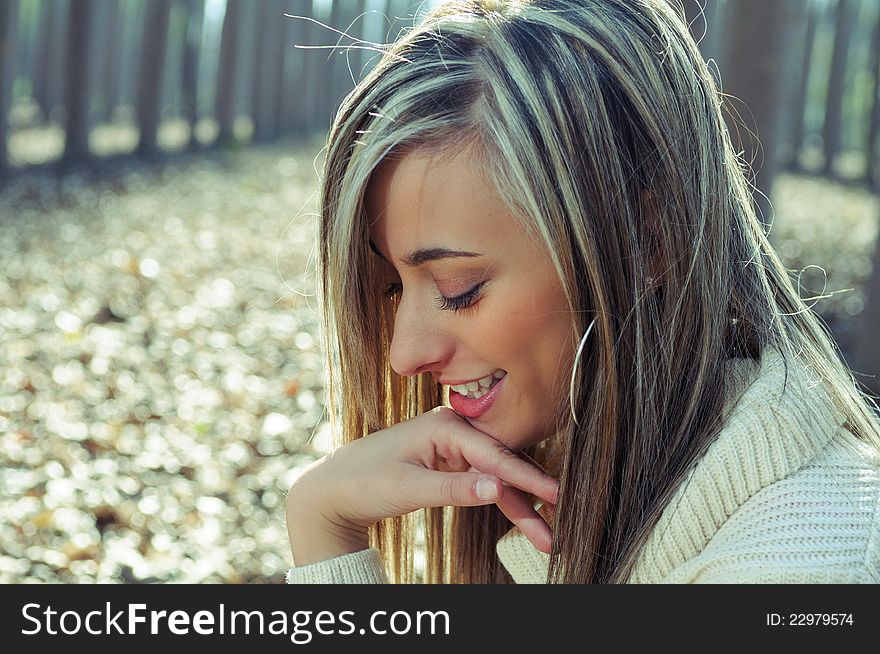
(422, 199)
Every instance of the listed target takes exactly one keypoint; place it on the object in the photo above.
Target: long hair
(600, 126)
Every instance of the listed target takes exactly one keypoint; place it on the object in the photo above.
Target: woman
(532, 211)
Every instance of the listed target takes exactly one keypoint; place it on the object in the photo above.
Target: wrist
(316, 533)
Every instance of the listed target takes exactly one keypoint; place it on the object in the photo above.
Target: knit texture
(364, 567)
(784, 494)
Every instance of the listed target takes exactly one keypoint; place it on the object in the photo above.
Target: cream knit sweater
(783, 495)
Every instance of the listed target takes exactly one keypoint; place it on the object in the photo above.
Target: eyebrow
(419, 257)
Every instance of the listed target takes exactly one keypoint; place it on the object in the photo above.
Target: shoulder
(819, 524)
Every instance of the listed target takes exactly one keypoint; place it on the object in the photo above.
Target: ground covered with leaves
(161, 380)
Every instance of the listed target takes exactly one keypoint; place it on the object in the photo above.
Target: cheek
(529, 331)
(510, 331)
(545, 332)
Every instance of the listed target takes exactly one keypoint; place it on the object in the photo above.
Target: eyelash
(459, 303)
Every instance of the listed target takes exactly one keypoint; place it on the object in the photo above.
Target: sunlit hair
(600, 126)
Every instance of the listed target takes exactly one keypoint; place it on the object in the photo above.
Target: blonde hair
(600, 126)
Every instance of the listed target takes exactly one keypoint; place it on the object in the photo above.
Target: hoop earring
(577, 358)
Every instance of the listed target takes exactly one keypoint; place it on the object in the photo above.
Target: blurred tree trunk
(110, 61)
(754, 52)
(874, 118)
(190, 77)
(375, 28)
(133, 13)
(76, 73)
(286, 52)
(836, 82)
(799, 105)
(868, 345)
(333, 60)
(245, 58)
(28, 38)
(172, 74)
(152, 65)
(261, 33)
(8, 23)
(55, 48)
(794, 37)
(28, 24)
(345, 60)
(101, 34)
(305, 95)
(38, 14)
(38, 90)
(225, 100)
(268, 69)
(20, 56)
(296, 60)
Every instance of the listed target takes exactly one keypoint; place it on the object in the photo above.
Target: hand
(436, 459)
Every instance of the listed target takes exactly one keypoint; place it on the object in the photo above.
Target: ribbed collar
(775, 423)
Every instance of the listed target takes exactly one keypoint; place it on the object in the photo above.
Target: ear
(657, 255)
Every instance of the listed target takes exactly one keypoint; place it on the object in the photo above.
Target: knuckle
(505, 458)
(449, 491)
(445, 413)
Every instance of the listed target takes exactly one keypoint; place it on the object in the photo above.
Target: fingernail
(548, 543)
(486, 489)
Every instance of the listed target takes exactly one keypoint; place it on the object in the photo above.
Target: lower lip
(475, 408)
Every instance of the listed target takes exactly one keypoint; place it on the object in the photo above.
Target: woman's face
(478, 297)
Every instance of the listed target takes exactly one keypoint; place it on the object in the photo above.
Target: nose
(419, 342)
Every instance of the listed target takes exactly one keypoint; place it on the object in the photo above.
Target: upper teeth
(480, 387)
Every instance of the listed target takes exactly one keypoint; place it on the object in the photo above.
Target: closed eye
(461, 302)
(458, 303)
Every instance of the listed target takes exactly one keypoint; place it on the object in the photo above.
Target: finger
(525, 456)
(434, 488)
(491, 457)
(519, 510)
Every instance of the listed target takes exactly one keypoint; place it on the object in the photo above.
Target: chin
(512, 441)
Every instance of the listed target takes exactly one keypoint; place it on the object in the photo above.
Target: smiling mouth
(476, 389)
